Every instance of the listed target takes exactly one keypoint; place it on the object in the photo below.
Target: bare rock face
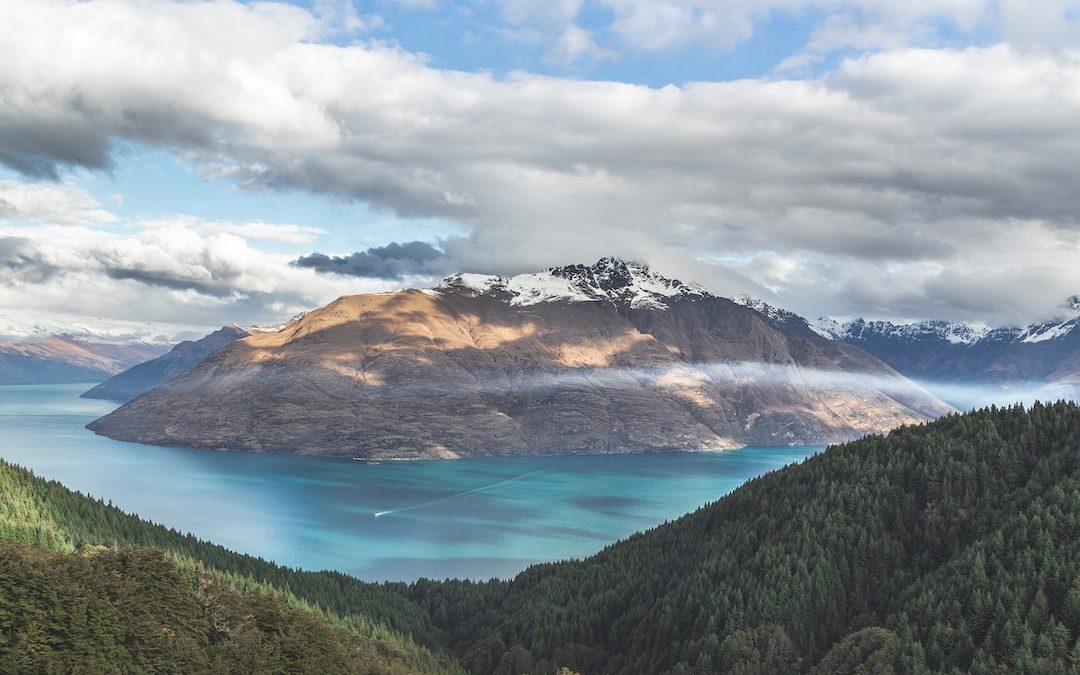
(583, 359)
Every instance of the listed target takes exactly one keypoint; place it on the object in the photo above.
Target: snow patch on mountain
(779, 316)
(759, 306)
(273, 327)
(532, 289)
(630, 284)
(830, 329)
(961, 333)
(1047, 331)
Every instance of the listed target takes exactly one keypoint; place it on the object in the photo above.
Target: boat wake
(455, 495)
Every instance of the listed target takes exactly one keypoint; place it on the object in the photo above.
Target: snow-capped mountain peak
(613, 280)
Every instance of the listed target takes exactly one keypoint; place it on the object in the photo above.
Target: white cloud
(1045, 22)
(65, 259)
(844, 24)
(251, 231)
(339, 17)
(905, 177)
(576, 44)
(648, 25)
(169, 274)
(60, 202)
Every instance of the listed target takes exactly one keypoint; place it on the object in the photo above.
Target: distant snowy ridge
(957, 333)
(625, 283)
(19, 331)
(953, 332)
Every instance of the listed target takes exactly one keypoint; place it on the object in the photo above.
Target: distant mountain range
(1040, 359)
(56, 359)
(145, 376)
(609, 357)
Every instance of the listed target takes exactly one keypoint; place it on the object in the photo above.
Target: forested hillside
(65, 602)
(949, 547)
(133, 610)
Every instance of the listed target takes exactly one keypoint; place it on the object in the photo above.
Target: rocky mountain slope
(610, 357)
(60, 359)
(147, 375)
(1044, 354)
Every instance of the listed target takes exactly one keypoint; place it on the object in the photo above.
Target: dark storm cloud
(21, 261)
(39, 148)
(164, 279)
(393, 261)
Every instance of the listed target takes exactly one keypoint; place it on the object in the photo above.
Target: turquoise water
(474, 518)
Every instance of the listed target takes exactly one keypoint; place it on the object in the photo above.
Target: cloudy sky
(173, 165)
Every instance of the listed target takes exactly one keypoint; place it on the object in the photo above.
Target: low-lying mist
(967, 396)
(395, 378)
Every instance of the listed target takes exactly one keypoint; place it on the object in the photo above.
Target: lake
(474, 518)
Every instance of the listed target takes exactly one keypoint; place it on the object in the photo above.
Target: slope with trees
(54, 577)
(949, 547)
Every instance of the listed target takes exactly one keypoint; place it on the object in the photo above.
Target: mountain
(59, 359)
(949, 547)
(149, 374)
(609, 357)
(1043, 356)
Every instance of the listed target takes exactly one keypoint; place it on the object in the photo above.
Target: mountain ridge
(142, 377)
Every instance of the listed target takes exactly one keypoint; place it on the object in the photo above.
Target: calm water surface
(466, 518)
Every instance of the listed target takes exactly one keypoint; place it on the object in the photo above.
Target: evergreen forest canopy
(85, 587)
(949, 547)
